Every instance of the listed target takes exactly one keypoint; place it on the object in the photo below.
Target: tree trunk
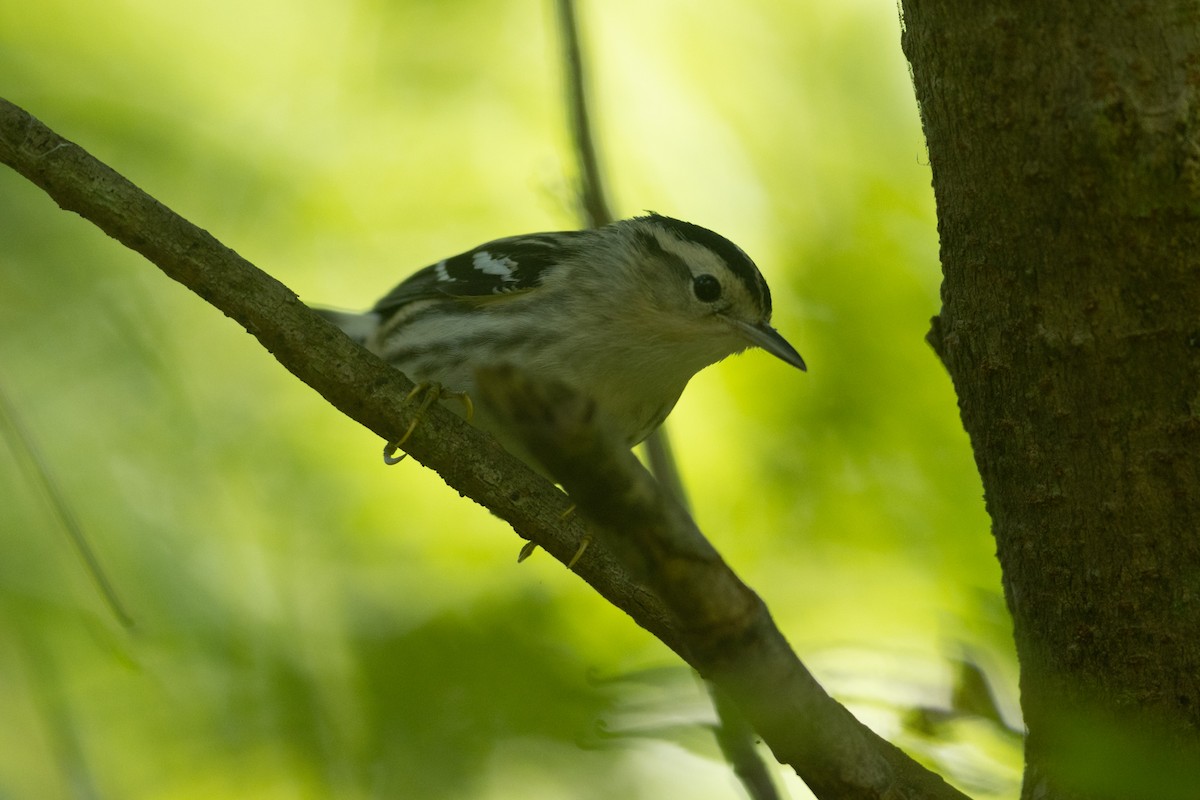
(1064, 140)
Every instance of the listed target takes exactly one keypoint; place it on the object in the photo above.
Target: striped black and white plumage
(627, 314)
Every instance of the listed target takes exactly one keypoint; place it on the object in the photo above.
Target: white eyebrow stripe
(488, 264)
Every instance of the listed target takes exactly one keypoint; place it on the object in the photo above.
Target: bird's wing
(501, 267)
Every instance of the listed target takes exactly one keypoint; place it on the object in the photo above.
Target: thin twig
(734, 735)
(592, 195)
(38, 471)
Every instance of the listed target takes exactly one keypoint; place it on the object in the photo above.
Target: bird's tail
(357, 326)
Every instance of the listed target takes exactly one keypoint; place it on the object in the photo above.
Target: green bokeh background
(313, 624)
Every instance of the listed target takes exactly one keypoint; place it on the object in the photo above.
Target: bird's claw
(429, 393)
(528, 548)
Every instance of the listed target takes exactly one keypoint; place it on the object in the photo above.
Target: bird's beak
(764, 336)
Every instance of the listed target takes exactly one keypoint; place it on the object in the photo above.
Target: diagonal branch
(356, 382)
(654, 551)
(727, 632)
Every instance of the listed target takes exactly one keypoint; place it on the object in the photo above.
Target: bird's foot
(425, 394)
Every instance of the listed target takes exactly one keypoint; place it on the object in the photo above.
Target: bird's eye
(707, 288)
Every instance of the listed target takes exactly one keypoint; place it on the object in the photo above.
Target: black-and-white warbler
(625, 314)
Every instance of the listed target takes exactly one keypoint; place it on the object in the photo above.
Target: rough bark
(1064, 141)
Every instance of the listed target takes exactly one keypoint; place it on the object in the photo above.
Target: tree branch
(353, 380)
(709, 617)
(727, 632)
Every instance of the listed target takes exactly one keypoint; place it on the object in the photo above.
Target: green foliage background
(312, 624)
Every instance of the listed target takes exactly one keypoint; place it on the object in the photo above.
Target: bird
(625, 314)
